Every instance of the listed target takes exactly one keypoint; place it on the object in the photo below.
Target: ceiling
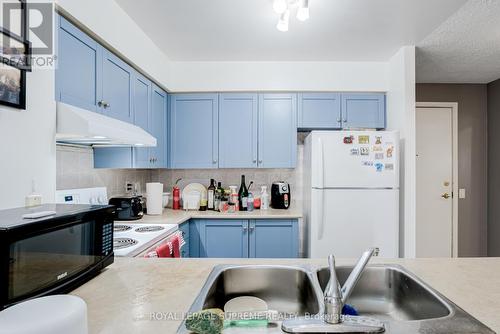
(245, 30)
(465, 48)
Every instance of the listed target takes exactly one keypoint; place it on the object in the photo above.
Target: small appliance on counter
(42, 255)
(280, 195)
(128, 207)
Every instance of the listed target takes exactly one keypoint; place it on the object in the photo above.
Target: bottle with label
(211, 195)
(243, 195)
(233, 199)
(264, 198)
(250, 202)
(219, 193)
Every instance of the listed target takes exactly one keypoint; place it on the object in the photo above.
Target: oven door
(45, 262)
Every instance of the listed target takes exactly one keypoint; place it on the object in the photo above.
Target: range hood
(79, 126)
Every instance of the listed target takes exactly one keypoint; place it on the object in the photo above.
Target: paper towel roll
(154, 193)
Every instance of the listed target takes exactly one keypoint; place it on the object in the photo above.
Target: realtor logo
(32, 26)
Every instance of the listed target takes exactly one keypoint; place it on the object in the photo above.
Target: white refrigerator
(351, 182)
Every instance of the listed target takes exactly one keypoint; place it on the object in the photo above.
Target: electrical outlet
(129, 186)
(461, 193)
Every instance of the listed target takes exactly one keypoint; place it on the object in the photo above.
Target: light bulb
(303, 11)
(280, 6)
(283, 21)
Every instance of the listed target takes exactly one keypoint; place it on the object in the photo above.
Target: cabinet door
(319, 111)
(79, 60)
(224, 238)
(363, 110)
(117, 88)
(277, 130)
(113, 157)
(184, 228)
(238, 130)
(194, 131)
(142, 114)
(274, 239)
(158, 126)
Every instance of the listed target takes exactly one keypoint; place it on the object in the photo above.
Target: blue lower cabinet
(228, 238)
(224, 238)
(274, 239)
(184, 228)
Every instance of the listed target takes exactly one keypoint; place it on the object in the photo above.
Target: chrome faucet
(334, 296)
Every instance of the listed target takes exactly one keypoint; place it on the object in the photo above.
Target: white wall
(111, 24)
(279, 76)
(401, 116)
(27, 146)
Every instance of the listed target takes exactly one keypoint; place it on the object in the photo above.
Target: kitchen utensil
(59, 314)
(154, 193)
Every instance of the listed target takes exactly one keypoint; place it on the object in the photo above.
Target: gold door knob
(445, 195)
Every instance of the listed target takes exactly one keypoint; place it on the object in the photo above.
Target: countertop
(170, 216)
(150, 295)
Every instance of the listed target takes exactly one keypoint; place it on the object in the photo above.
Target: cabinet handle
(106, 105)
(345, 120)
(244, 228)
(260, 161)
(100, 104)
(255, 161)
(215, 161)
(252, 228)
(339, 120)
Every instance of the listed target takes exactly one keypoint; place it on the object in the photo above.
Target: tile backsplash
(75, 169)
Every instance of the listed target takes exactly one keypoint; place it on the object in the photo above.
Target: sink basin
(287, 290)
(388, 293)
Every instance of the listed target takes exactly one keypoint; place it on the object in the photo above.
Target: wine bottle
(219, 192)
(243, 195)
(211, 195)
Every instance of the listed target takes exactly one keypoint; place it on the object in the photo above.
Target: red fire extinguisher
(176, 194)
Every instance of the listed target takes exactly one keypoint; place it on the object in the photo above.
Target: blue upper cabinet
(194, 129)
(158, 127)
(363, 110)
(78, 79)
(224, 238)
(141, 89)
(274, 238)
(277, 131)
(238, 130)
(319, 111)
(116, 88)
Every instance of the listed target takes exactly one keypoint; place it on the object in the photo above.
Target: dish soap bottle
(264, 198)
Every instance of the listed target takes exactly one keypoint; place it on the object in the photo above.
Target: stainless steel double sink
(388, 293)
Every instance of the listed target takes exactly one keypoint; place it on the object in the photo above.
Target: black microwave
(54, 254)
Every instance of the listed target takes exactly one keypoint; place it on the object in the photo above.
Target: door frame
(454, 120)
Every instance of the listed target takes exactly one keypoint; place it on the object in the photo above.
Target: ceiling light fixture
(280, 6)
(283, 8)
(303, 11)
(283, 21)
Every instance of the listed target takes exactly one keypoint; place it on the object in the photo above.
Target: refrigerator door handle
(321, 227)
(321, 174)
(321, 164)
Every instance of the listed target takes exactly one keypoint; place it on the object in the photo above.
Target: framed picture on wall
(12, 87)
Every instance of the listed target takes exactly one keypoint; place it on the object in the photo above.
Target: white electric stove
(130, 238)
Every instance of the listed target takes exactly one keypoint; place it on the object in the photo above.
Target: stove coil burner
(119, 243)
(121, 228)
(149, 229)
